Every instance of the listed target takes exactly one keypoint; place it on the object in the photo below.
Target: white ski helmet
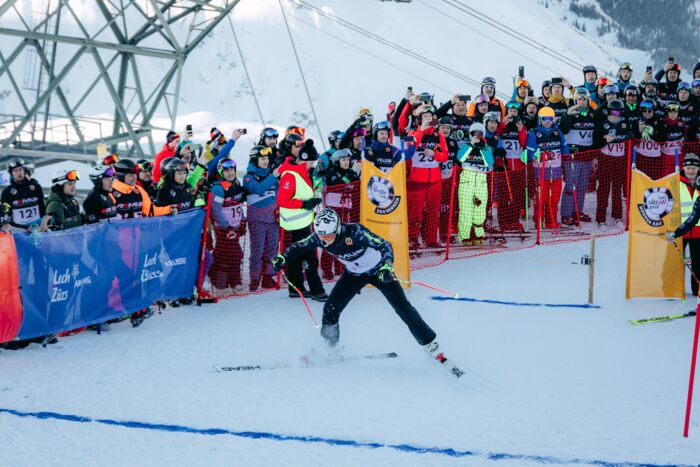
(327, 222)
(476, 126)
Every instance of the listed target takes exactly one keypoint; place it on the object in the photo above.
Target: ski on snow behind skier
(661, 319)
(305, 361)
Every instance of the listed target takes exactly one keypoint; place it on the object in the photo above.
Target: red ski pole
(428, 286)
(303, 299)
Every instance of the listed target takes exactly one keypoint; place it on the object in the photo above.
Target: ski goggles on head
(602, 82)
(14, 163)
(488, 81)
(265, 152)
(110, 159)
(673, 107)
(297, 130)
(359, 132)
(70, 176)
(271, 133)
(616, 113)
(365, 112)
(547, 119)
(513, 105)
(147, 166)
(626, 66)
(685, 85)
(521, 83)
(109, 172)
(383, 126)
(696, 83)
(482, 99)
(646, 105)
(230, 164)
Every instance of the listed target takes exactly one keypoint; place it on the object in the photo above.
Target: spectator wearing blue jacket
(220, 149)
(261, 184)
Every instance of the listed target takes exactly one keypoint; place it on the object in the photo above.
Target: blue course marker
(501, 302)
(491, 456)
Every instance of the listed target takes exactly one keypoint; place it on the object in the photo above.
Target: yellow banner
(654, 267)
(383, 210)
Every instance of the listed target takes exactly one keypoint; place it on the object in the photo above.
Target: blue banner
(87, 275)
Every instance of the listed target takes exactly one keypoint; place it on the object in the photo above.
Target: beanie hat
(171, 136)
(215, 134)
(308, 152)
(691, 159)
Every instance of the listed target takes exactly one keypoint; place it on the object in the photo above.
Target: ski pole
(428, 286)
(303, 299)
(684, 263)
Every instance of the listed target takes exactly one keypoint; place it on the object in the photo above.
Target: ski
(659, 319)
(447, 364)
(305, 361)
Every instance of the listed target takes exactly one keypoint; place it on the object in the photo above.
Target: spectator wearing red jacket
(168, 151)
(425, 180)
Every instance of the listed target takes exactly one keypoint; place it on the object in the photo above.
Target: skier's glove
(386, 273)
(277, 262)
(310, 203)
(670, 236)
(647, 132)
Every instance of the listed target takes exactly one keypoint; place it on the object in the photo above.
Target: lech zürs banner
(383, 210)
(654, 268)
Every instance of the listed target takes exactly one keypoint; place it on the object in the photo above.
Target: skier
(381, 153)
(61, 204)
(100, 205)
(368, 259)
(25, 198)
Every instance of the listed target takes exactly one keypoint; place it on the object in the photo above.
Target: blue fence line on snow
(320, 440)
(501, 302)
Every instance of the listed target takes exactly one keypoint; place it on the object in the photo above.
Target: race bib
(614, 149)
(233, 214)
(580, 137)
(669, 148)
(649, 148)
(513, 148)
(25, 216)
(424, 162)
(446, 169)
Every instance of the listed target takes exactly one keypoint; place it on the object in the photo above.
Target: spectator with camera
(172, 139)
(669, 79)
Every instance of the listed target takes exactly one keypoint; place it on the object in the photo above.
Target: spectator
(100, 205)
(362, 122)
(133, 201)
(324, 160)
(144, 178)
(687, 107)
(610, 136)
(668, 89)
(424, 181)
(221, 150)
(598, 96)
(545, 145)
(381, 153)
(648, 148)
(546, 91)
(445, 127)
(513, 138)
(671, 133)
(529, 116)
(480, 108)
(25, 198)
(556, 100)
(651, 90)
(689, 193)
(174, 190)
(590, 75)
(632, 114)
(610, 93)
(488, 89)
(460, 120)
(227, 198)
(624, 77)
(61, 204)
(288, 147)
(476, 159)
(296, 202)
(172, 139)
(341, 200)
(577, 125)
(522, 91)
(695, 97)
(261, 183)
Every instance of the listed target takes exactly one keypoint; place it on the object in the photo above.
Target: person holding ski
(368, 259)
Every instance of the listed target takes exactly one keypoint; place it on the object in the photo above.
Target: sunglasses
(111, 159)
(647, 110)
(271, 133)
(631, 94)
(16, 163)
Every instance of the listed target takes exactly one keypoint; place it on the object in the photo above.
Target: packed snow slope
(561, 386)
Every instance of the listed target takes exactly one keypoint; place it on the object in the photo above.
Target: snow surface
(562, 386)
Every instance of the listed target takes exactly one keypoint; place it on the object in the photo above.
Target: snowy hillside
(346, 69)
(562, 386)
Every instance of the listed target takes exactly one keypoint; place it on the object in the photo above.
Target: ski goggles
(265, 152)
(230, 164)
(602, 82)
(626, 66)
(110, 159)
(14, 163)
(616, 113)
(673, 107)
(547, 119)
(109, 172)
(365, 113)
(513, 105)
(646, 105)
(696, 83)
(359, 132)
(488, 81)
(482, 99)
(70, 176)
(297, 143)
(522, 82)
(382, 126)
(296, 130)
(147, 166)
(685, 85)
(270, 133)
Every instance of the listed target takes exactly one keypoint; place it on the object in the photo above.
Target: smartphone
(648, 69)
(244, 131)
(670, 59)
(521, 71)
(189, 127)
(410, 89)
(465, 98)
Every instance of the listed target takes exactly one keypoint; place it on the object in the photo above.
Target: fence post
(203, 253)
(627, 184)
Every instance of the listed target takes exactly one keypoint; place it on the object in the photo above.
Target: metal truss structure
(65, 66)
